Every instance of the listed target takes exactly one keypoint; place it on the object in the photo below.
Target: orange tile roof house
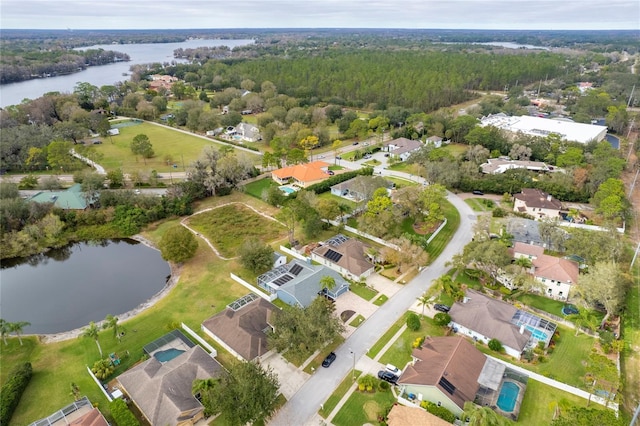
(303, 175)
(445, 371)
(536, 203)
(557, 274)
(241, 328)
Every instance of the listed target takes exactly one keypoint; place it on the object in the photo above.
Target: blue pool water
(287, 189)
(537, 334)
(167, 355)
(508, 396)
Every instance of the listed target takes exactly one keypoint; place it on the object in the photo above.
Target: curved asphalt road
(300, 409)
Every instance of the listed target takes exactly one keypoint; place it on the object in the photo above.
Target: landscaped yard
(399, 354)
(227, 227)
(438, 244)
(255, 188)
(363, 408)
(480, 204)
(169, 145)
(382, 341)
(367, 293)
(337, 395)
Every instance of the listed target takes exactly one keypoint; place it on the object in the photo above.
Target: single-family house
(402, 148)
(248, 132)
(78, 413)
(537, 203)
(444, 371)
(161, 82)
(303, 175)
(525, 231)
(355, 189)
(69, 199)
(495, 166)
(162, 391)
(484, 318)
(214, 132)
(436, 141)
(558, 275)
(298, 283)
(344, 255)
(242, 327)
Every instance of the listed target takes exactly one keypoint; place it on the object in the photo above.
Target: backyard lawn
(227, 227)
(399, 354)
(362, 408)
(169, 145)
(255, 188)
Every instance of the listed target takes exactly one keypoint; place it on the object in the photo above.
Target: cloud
(462, 14)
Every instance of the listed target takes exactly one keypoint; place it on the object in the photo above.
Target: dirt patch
(346, 315)
(424, 228)
(371, 409)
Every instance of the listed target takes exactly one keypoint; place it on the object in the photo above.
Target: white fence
(254, 289)
(200, 340)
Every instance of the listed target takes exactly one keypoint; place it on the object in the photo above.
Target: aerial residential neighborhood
(303, 227)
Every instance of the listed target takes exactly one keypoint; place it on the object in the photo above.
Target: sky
(427, 14)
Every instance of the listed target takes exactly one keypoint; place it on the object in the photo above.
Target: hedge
(326, 185)
(438, 411)
(12, 390)
(121, 413)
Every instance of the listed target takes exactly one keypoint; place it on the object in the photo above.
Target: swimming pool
(537, 334)
(508, 397)
(288, 190)
(167, 355)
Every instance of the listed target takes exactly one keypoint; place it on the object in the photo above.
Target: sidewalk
(367, 366)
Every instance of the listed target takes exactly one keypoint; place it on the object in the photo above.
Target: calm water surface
(143, 53)
(67, 288)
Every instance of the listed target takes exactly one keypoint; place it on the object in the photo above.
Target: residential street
(300, 409)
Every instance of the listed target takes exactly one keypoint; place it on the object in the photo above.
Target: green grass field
(380, 300)
(399, 354)
(377, 347)
(442, 239)
(480, 204)
(336, 396)
(227, 227)
(255, 188)
(366, 293)
(362, 408)
(169, 145)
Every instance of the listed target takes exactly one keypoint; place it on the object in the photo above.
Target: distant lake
(143, 53)
(67, 288)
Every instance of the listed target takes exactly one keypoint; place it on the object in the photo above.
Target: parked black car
(387, 376)
(442, 308)
(329, 360)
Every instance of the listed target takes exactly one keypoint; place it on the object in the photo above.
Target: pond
(66, 288)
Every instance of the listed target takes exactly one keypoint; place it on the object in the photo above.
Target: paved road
(301, 408)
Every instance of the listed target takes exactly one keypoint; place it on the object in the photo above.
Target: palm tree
(328, 282)
(92, 332)
(112, 322)
(483, 416)
(4, 329)
(424, 300)
(16, 327)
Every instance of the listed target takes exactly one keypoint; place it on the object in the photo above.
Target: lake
(143, 53)
(66, 288)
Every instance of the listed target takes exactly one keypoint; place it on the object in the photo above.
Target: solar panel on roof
(283, 279)
(333, 256)
(446, 385)
(295, 270)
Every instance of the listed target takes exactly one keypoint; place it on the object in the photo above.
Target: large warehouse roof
(536, 126)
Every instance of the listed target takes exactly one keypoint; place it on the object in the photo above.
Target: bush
(418, 342)
(12, 390)
(437, 411)
(383, 386)
(121, 413)
(495, 345)
(498, 212)
(504, 291)
(413, 322)
(441, 319)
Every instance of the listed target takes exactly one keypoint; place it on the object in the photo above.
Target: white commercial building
(542, 127)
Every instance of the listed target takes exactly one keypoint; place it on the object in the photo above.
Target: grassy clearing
(357, 321)
(367, 293)
(380, 300)
(401, 183)
(631, 353)
(329, 196)
(399, 354)
(551, 306)
(377, 347)
(444, 236)
(336, 396)
(456, 149)
(228, 226)
(480, 204)
(170, 147)
(255, 188)
(400, 166)
(362, 408)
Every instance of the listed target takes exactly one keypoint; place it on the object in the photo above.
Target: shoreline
(170, 284)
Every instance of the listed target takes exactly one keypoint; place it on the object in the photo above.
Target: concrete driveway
(290, 377)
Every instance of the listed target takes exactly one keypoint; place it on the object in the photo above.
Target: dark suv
(440, 307)
(329, 360)
(388, 376)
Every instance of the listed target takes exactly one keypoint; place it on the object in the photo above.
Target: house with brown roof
(444, 371)
(557, 274)
(537, 203)
(162, 390)
(303, 175)
(346, 256)
(484, 318)
(402, 148)
(402, 415)
(242, 329)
